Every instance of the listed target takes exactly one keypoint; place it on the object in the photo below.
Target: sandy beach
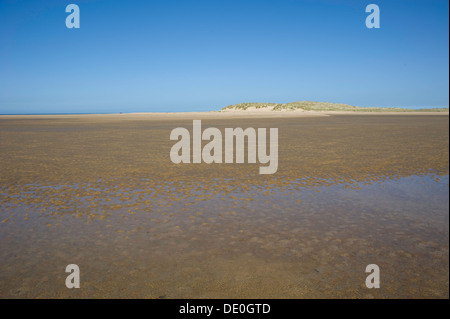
(249, 113)
(100, 191)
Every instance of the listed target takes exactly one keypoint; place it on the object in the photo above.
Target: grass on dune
(325, 106)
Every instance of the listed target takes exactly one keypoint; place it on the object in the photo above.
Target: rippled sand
(101, 192)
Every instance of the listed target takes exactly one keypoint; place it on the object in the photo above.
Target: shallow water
(102, 193)
(226, 238)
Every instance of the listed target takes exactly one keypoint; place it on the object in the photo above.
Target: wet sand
(100, 191)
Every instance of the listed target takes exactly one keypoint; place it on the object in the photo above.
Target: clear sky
(195, 55)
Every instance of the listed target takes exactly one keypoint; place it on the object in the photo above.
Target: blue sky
(195, 55)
